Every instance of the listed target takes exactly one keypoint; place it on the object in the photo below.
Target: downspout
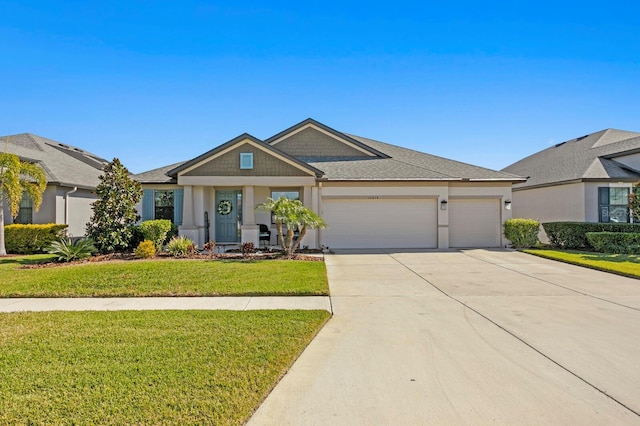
(66, 204)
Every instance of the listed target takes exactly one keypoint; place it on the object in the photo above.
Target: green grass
(151, 367)
(163, 278)
(622, 264)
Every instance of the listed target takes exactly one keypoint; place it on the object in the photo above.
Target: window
(163, 204)
(292, 195)
(613, 204)
(246, 160)
(25, 211)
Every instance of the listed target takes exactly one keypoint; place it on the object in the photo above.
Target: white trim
(237, 145)
(246, 180)
(311, 125)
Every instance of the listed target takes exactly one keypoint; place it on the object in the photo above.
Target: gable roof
(63, 164)
(384, 162)
(589, 157)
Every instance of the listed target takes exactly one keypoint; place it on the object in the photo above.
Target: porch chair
(265, 234)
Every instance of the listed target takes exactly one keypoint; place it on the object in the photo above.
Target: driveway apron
(466, 337)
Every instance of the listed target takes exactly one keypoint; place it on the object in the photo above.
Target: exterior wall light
(507, 204)
(443, 205)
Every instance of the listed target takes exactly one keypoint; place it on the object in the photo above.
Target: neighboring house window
(292, 195)
(25, 211)
(613, 204)
(163, 204)
(246, 160)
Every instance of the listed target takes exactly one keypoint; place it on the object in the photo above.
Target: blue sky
(156, 82)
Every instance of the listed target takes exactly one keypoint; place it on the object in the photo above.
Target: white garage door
(381, 223)
(474, 223)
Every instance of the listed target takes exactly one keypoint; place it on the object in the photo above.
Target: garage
(474, 223)
(380, 223)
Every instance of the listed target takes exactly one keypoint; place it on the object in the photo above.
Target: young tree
(634, 202)
(294, 215)
(114, 211)
(17, 178)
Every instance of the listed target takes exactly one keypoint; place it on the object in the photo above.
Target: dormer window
(246, 160)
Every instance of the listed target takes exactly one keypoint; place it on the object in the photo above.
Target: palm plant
(17, 178)
(294, 215)
(67, 251)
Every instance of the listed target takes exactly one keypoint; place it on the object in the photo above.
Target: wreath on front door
(224, 207)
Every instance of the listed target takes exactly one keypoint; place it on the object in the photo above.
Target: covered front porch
(227, 214)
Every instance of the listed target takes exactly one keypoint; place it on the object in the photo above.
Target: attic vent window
(246, 160)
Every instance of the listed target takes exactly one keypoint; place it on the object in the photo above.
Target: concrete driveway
(466, 337)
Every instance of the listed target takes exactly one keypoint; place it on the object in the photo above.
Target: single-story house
(371, 194)
(72, 176)
(586, 179)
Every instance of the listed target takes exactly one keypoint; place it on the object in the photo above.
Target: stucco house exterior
(371, 194)
(586, 179)
(72, 176)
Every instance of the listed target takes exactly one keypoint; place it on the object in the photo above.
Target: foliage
(615, 242)
(210, 246)
(146, 367)
(136, 238)
(30, 239)
(181, 246)
(145, 250)
(294, 215)
(522, 232)
(114, 211)
(634, 202)
(66, 250)
(16, 179)
(572, 235)
(156, 231)
(164, 278)
(248, 248)
(621, 264)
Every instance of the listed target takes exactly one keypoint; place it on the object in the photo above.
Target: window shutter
(178, 200)
(147, 204)
(603, 204)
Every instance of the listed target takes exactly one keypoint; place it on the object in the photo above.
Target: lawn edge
(570, 262)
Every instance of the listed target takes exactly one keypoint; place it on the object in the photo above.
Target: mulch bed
(230, 255)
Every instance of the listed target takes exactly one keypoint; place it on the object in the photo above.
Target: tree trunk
(288, 242)
(298, 240)
(3, 250)
(280, 236)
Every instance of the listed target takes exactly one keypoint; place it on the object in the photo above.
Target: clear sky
(156, 82)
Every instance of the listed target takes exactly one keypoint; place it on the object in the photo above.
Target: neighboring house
(72, 175)
(371, 194)
(587, 179)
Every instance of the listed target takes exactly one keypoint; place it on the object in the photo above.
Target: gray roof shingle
(64, 164)
(587, 157)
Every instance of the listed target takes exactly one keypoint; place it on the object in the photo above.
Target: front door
(228, 216)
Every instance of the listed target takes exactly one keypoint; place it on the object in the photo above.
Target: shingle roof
(64, 164)
(587, 157)
(390, 163)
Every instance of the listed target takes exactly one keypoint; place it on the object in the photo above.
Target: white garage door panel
(385, 223)
(474, 223)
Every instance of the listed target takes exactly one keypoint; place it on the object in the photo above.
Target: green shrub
(67, 251)
(156, 231)
(572, 235)
(30, 239)
(522, 232)
(136, 238)
(145, 250)
(181, 246)
(615, 242)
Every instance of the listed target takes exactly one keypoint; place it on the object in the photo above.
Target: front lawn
(623, 264)
(173, 277)
(151, 367)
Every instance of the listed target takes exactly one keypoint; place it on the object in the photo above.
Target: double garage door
(408, 223)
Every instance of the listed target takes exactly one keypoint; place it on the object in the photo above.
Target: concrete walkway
(466, 337)
(164, 303)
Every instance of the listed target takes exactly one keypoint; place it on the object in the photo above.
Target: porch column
(188, 227)
(250, 231)
(311, 202)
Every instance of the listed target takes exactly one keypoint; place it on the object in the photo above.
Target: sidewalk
(165, 303)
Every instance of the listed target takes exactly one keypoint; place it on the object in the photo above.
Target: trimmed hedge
(615, 242)
(30, 239)
(522, 232)
(572, 235)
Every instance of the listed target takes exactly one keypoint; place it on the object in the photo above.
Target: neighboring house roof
(590, 157)
(64, 164)
(376, 161)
